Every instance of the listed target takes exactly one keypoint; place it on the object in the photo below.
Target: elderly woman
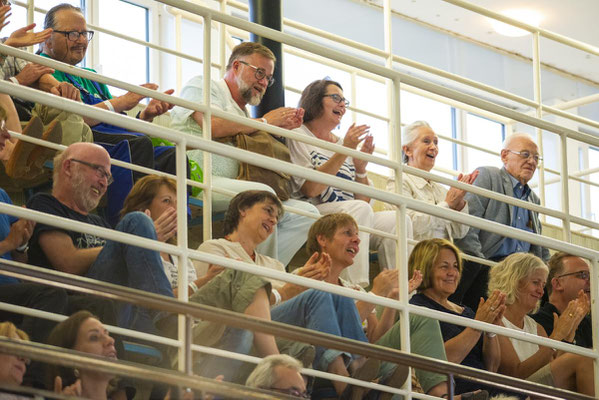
(337, 235)
(522, 277)
(250, 219)
(83, 332)
(440, 263)
(157, 197)
(324, 107)
(12, 367)
(420, 149)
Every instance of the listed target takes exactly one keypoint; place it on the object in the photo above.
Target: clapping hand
(491, 311)
(455, 197)
(317, 267)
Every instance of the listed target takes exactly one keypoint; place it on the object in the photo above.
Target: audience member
(13, 367)
(68, 43)
(337, 235)
(81, 177)
(520, 157)
(83, 332)
(568, 280)
(248, 75)
(325, 106)
(420, 150)
(249, 221)
(440, 263)
(522, 277)
(279, 373)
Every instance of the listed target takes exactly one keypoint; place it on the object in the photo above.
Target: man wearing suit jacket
(520, 157)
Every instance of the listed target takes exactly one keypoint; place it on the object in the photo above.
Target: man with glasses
(81, 177)
(68, 43)
(279, 373)
(520, 157)
(568, 281)
(248, 75)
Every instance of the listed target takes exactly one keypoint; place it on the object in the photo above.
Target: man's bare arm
(64, 256)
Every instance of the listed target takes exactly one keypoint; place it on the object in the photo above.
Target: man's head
(249, 72)
(81, 176)
(520, 157)
(70, 37)
(280, 373)
(568, 275)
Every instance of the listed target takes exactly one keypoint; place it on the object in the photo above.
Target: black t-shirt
(49, 204)
(584, 334)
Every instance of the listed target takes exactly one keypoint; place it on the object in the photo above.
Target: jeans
(134, 267)
(323, 312)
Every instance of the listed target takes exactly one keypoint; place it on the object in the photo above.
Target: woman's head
(335, 234)
(152, 192)
(83, 332)
(12, 367)
(420, 145)
(440, 263)
(244, 201)
(522, 277)
(315, 94)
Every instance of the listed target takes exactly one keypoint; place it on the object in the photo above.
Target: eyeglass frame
(5, 3)
(260, 73)
(79, 34)
(579, 275)
(291, 392)
(538, 158)
(100, 171)
(337, 98)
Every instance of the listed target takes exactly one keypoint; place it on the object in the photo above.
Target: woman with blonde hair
(12, 368)
(522, 277)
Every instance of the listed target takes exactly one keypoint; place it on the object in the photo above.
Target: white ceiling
(576, 19)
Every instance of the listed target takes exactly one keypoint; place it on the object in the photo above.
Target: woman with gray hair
(420, 150)
(279, 373)
(522, 277)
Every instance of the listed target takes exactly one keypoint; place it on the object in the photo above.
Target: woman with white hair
(522, 277)
(280, 373)
(420, 150)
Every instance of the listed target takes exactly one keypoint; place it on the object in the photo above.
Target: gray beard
(245, 91)
(81, 197)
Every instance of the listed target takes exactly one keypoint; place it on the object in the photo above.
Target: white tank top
(523, 349)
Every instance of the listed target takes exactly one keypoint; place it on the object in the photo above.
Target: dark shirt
(49, 204)
(5, 223)
(584, 334)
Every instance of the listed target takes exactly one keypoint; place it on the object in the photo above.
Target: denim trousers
(323, 312)
(133, 267)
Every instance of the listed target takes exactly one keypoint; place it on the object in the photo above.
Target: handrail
(242, 321)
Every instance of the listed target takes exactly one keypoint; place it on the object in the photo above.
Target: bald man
(81, 177)
(520, 157)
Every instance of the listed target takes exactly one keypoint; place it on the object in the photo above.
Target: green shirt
(86, 84)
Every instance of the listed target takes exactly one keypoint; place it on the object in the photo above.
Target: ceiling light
(530, 17)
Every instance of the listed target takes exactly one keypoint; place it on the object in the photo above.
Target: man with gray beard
(81, 177)
(248, 75)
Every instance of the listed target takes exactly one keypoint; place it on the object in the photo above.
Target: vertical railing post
(536, 70)
(595, 317)
(178, 47)
(207, 131)
(567, 236)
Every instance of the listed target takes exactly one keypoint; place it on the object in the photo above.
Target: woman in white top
(420, 150)
(324, 107)
(522, 277)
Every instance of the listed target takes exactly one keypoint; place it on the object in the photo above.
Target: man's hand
(4, 14)
(66, 90)
(25, 37)
(32, 73)
(285, 117)
(19, 234)
(156, 108)
(131, 99)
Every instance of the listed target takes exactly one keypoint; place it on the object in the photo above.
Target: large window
(593, 206)
(484, 133)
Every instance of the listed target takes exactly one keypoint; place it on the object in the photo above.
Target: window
(119, 58)
(485, 133)
(593, 207)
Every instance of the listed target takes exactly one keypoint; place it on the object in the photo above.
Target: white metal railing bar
(582, 101)
(254, 159)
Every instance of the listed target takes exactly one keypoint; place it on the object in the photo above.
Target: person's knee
(137, 223)
(362, 212)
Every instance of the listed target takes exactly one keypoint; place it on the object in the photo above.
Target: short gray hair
(508, 140)
(50, 20)
(410, 133)
(506, 275)
(264, 376)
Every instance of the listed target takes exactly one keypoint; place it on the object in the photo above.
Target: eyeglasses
(73, 36)
(100, 171)
(260, 73)
(5, 3)
(292, 392)
(338, 99)
(584, 275)
(527, 154)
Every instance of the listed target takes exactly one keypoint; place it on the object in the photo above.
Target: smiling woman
(12, 367)
(325, 106)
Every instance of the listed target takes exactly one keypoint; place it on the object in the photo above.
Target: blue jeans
(133, 267)
(234, 340)
(324, 312)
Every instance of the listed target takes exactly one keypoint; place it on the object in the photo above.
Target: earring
(76, 373)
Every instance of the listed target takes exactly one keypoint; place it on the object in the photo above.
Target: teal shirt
(85, 83)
